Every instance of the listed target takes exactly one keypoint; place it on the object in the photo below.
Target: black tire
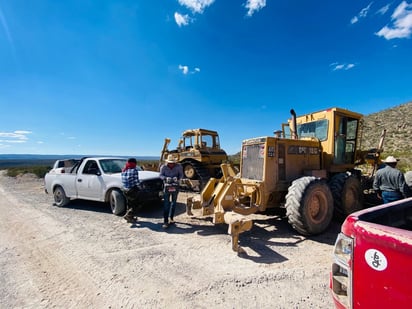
(347, 194)
(117, 202)
(309, 205)
(60, 198)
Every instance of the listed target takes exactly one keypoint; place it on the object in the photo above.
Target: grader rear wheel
(347, 194)
(309, 205)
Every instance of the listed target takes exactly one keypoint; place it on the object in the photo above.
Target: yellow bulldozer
(200, 154)
(308, 169)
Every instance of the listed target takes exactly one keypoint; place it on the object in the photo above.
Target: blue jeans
(169, 205)
(391, 196)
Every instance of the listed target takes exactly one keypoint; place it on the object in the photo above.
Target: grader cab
(309, 170)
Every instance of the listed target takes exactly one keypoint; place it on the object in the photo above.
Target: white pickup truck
(99, 179)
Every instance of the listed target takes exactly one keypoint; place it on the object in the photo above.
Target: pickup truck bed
(372, 258)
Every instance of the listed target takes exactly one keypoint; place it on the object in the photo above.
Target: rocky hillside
(398, 141)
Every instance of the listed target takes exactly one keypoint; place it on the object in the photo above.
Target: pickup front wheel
(117, 202)
(60, 198)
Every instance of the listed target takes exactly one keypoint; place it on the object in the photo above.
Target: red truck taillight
(341, 274)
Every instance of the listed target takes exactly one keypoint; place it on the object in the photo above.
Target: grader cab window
(317, 129)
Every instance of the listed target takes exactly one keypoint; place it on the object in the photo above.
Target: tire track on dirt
(40, 258)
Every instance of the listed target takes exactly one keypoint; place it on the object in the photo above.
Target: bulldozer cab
(199, 139)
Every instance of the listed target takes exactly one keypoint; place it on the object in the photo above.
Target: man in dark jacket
(389, 182)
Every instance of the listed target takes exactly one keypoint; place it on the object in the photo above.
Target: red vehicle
(372, 265)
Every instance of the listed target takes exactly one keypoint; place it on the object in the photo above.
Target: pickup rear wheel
(117, 202)
(60, 198)
(309, 205)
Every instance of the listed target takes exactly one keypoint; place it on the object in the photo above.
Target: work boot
(129, 216)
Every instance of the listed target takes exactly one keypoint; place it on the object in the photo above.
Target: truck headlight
(343, 248)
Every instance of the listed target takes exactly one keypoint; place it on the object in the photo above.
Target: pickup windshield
(111, 166)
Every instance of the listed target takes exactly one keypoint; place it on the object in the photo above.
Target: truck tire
(117, 202)
(309, 205)
(347, 194)
(60, 198)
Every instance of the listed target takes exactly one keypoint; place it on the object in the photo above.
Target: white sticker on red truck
(376, 259)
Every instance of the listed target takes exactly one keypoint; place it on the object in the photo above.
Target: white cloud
(182, 20)
(383, 10)
(196, 6)
(401, 26)
(362, 14)
(185, 69)
(341, 66)
(354, 20)
(254, 6)
(18, 136)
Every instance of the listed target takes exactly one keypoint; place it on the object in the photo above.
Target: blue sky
(117, 77)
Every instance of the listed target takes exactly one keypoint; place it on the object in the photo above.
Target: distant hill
(57, 157)
(18, 160)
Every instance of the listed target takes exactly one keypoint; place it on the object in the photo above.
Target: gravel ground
(82, 256)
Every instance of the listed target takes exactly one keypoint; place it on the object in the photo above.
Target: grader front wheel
(309, 205)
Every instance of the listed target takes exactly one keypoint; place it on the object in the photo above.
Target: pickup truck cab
(372, 258)
(99, 179)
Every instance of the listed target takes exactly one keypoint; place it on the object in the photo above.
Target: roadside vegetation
(38, 170)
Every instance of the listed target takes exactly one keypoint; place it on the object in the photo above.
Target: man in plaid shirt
(130, 180)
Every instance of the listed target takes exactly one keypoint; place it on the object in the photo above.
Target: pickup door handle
(79, 180)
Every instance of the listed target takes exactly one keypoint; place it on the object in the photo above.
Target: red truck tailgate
(382, 267)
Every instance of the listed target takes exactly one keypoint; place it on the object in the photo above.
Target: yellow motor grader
(308, 169)
(199, 153)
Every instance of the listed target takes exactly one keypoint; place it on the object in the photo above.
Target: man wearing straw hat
(171, 173)
(389, 182)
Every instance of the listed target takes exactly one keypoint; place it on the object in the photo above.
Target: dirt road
(82, 256)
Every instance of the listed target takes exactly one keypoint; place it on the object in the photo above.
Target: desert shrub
(39, 170)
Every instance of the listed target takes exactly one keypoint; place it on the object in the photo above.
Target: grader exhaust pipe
(293, 128)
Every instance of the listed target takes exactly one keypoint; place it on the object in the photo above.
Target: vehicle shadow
(262, 240)
(259, 243)
(86, 205)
